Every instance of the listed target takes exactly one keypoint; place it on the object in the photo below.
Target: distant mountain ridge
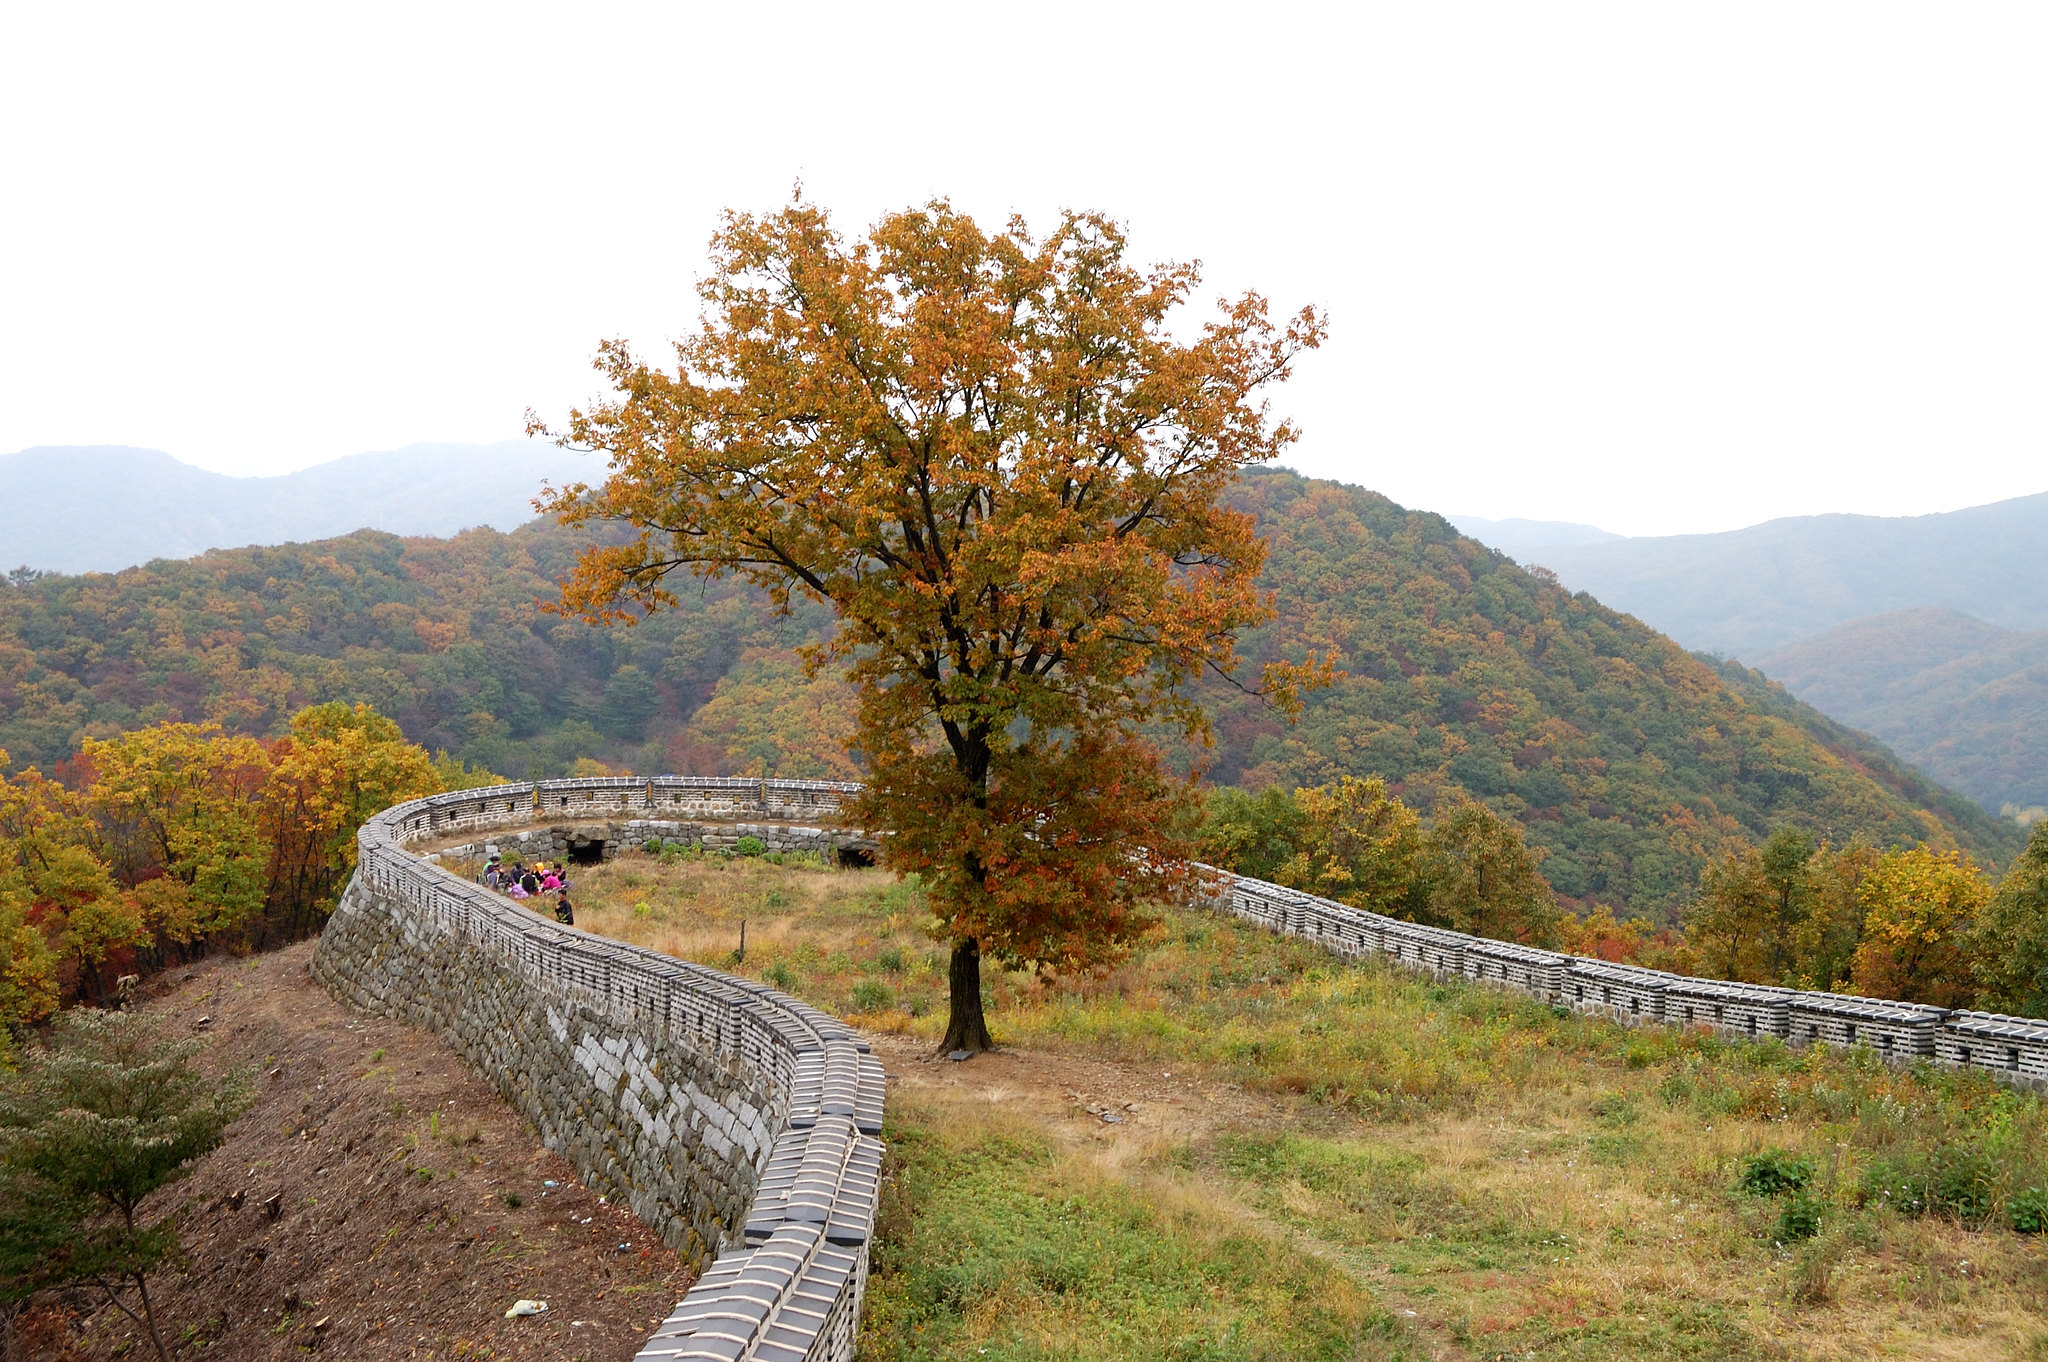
(1516, 536)
(1749, 593)
(102, 508)
(1965, 701)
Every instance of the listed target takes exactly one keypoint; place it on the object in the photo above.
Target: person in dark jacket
(565, 911)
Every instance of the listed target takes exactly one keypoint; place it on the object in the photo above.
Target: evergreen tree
(104, 1114)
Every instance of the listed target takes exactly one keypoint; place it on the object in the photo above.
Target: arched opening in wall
(854, 858)
(586, 853)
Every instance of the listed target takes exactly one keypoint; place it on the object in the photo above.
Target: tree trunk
(966, 1028)
(149, 1314)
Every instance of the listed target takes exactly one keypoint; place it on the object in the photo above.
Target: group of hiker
(532, 882)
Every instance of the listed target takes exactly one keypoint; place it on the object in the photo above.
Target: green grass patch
(996, 1245)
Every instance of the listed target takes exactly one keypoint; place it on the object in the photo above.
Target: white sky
(1652, 266)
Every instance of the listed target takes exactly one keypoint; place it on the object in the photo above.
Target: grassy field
(1331, 1161)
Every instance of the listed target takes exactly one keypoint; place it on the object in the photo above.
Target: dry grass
(1533, 1185)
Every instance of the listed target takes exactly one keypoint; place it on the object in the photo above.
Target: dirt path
(379, 1201)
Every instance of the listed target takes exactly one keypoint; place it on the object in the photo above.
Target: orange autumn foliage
(991, 456)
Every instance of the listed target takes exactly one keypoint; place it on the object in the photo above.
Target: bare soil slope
(379, 1201)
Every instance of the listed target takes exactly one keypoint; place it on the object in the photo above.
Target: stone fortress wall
(2014, 1049)
(737, 1122)
(741, 1124)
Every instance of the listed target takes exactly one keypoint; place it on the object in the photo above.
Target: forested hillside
(1625, 757)
(445, 635)
(1964, 700)
(1629, 760)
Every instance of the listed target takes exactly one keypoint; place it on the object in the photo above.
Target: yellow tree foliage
(1919, 906)
(338, 766)
(1470, 870)
(1358, 845)
(186, 833)
(181, 800)
(1728, 925)
(41, 885)
(1824, 945)
(997, 461)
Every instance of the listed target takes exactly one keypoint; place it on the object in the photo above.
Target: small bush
(1899, 1181)
(652, 846)
(2027, 1211)
(1963, 1177)
(672, 852)
(513, 1200)
(891, 959)
(1800, 1219)
(1951, 1179)
(778, 974)
(869, 996)
(749, 845)
(1773, 1173)
(773, 858)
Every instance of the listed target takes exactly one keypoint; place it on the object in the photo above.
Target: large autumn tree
(1001, 461)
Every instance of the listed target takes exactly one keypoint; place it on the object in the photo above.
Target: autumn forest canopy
(1625, 758)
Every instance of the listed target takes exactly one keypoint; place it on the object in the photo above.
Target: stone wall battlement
(2015, 1049)
(739, 1123)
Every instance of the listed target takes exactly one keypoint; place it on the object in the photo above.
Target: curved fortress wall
(2012, 1048)
(740, 1124)
(737, 1122)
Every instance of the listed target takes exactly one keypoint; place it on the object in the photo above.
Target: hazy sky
(1652, 266)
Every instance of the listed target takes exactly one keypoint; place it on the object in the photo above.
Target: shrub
(1951, 1179)
(778, 974)
(1899, 1181)
(653, 846)
(891, 959)
(1800, 1219)
(2027, 1211)
(1773, 1173)
(1813, 1271)
(870, 996)
(749, 845)
(1963, 1176)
